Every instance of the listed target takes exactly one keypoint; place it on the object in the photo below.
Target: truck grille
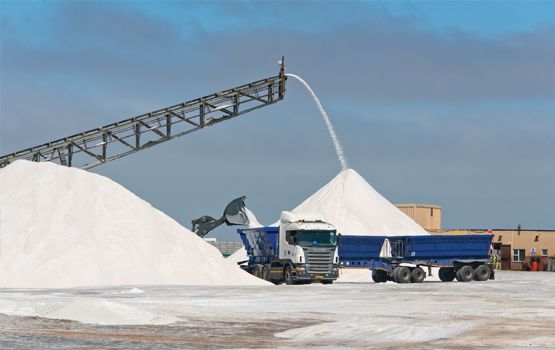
(319, 260)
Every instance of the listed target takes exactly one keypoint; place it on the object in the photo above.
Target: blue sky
(449, 103)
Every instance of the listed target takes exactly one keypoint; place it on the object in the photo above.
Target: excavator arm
(234, 214)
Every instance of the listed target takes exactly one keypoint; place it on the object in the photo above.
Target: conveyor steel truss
(113, 141)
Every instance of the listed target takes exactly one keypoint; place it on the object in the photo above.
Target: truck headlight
(300, 269)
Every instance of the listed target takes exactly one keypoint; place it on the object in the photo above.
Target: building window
(544, 252)
(518, 255)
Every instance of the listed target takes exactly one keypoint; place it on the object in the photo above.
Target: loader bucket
(235, 213)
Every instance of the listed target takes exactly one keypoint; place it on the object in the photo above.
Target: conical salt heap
(355, 208)
(65, 227)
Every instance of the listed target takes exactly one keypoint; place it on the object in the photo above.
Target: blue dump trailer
(261, 244)
(401, 259)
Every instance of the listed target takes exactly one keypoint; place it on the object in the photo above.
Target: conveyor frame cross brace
(98, 146)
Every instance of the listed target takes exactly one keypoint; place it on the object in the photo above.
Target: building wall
(532, 242)
(426, 215)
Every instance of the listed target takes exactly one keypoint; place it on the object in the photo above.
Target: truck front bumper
(302, 275)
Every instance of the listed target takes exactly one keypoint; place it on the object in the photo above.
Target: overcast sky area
(435, 102)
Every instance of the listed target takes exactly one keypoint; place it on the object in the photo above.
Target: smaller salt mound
(355, 208)
(64, 227)
(103, 312)
(239, 256)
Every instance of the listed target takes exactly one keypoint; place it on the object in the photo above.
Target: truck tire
(266, 272)
(288, 275)
(482, 273)
(402, 274)
(417, 275)
(465, 274)
(327, 282)
(446, 274)
(379, 276)
(256, 271)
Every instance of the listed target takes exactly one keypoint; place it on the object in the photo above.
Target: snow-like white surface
(239, 256)
(355, 208)
(354, 276)
(65, 227)
(497, 314)
(104, 312)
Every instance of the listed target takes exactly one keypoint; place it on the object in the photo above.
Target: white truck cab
(309, 245)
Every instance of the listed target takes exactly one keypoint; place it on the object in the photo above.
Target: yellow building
(426, 215)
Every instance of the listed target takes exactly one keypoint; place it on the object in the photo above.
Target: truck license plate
(318, 276)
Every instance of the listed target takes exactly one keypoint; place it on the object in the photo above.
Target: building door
(506, 257)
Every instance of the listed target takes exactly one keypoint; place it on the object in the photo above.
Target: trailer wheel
(288, 275)
(446, 274)
(417, 275)
(402, 274)
(256, 271)
(379, 276)
(482, 273)
(266, 272)
(465, 274)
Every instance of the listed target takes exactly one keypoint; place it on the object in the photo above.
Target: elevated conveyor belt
(98, 146)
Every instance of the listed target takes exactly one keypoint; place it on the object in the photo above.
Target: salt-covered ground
(516, 310)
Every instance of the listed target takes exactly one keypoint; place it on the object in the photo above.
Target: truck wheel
(417, 275)
(379, 276)
(481, 273)
(327, 282)
(266, 272)
(402, 274)
(465, 274)
(446, 274)
(394, 274)
(288, 275)
(256, 271)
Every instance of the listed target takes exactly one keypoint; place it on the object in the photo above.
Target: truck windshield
(316, 238)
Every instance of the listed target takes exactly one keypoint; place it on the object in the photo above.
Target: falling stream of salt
(336, 143)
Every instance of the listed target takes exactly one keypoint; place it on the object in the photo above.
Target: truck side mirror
(338, 240)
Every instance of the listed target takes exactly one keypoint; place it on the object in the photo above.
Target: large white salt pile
(355, 208)
(65, 227)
